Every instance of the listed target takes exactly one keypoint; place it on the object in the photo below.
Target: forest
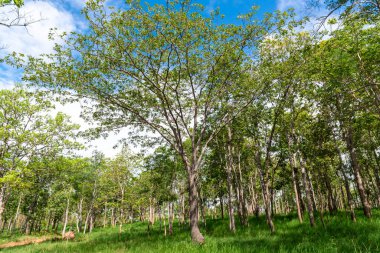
(261, 135)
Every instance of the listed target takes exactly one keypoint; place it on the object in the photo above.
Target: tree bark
(3, 199)
(377, 175)
(221, 207)
(66, 217)
(14, 223)
(265, 193)
(296, 193)
(357, 174)
(105, 216)
(242, 201)
(229, 168)
(170, 217)
(151, 211)
(230, 206)
(79, 218)
(308, 194)
(313, 198)
(193, 203)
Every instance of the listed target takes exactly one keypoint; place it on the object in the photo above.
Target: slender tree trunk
(242, 201)
(151, 211)
(14, 223)
(183, 220)
(313, 198)
(331, 199)
(254, 201)
(297, 193)
(349, 197)
(230, 206)
(297, 196)
(164, 221)
(86, 222)
(113, 219)
(229, 168)
(79, 218)
(3, 199)
(308, 194)
(356, 168)
(221, 206)
(377, 175)
(170, 217)
(66, 217)
(265, 193)
(92, 222)
(105, 216)
(160, 217)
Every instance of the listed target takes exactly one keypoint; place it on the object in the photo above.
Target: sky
(65, 16)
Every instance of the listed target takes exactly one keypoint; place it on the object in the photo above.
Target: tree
(28, 133)
(162, 69)
(12, 17)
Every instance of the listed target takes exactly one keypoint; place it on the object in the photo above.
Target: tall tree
(162, 68)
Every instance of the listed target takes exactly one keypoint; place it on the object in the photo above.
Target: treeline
(259, 118)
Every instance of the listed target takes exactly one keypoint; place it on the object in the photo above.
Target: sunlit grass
(339, 235)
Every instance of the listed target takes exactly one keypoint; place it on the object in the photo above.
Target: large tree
(164, 68)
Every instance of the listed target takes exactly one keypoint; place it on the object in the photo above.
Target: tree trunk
(105, 216)
(193, 203)
(79, 218)
(151, 211)
(170, 217)
(221, 207)
(3, 199)
(66, 217)
(229, 165)
(356, 168)
(92, 222)
(308, 194)
(377, 175)
(14, 223)
(297, 197)
(312, 190)
(164, 221)
(183, 219)
(230, 206)
(297, 193)
(331, 199)
(160, 217)
(242, 202)
(265, 193)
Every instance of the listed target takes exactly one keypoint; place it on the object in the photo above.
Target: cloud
(104, 145)
(33, 39)
(316, 13)
(283, 5)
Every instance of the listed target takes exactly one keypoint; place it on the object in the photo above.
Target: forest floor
(338, 235)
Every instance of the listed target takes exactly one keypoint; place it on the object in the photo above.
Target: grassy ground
(339, 235)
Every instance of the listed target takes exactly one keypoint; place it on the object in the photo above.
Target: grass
(339, 235)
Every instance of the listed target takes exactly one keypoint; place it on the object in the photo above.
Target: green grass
(339, 235)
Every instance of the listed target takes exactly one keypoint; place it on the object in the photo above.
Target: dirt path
(28, 241)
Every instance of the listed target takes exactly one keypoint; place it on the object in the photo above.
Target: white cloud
(33, 39)
(104, 145)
